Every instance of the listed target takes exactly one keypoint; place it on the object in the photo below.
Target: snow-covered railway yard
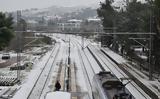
(74, 67)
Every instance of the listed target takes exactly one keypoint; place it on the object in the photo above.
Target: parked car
(5, 56)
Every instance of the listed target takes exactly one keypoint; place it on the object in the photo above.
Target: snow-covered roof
(32, 21)
(94, 19)
(74, 20)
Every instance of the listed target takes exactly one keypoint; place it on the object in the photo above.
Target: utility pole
(150, 58)
(69, 52)
(82, 42)
(150, 48)
(18, 44)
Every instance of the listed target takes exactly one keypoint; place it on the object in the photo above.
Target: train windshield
(112, 84)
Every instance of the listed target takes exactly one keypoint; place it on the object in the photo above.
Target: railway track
(38, 87)
(59, 72)
(103, 61)
(124, 68)
(55, 72)
(86, 65)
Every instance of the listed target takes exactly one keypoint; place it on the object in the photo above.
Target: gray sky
(12, 5)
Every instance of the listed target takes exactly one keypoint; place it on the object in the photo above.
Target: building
(70, 25)
(92, 25)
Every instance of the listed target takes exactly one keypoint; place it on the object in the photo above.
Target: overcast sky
(12, 5)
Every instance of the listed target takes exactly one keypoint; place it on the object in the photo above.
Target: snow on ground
(115, 56)
(79, 72)
(29, 81)
(94, 64)
(5, 72)
(27, 85)
(52, 77)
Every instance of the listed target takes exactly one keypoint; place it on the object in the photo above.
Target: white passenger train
(108, 86)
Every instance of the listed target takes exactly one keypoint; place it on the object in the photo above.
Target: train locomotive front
(108, 86)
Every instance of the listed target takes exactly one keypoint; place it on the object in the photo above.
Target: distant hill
(50, 11)
(78, 12)
(82, 14)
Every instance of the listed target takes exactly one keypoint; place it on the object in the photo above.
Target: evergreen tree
(6, 30)
(156, 29)
(107, 15)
